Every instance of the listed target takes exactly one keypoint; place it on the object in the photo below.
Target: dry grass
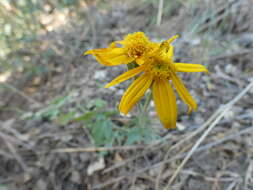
(213, 151)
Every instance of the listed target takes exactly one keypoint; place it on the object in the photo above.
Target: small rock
(96, 166)
(230, 69)
(199, 120)
(75, 177)
(41, 185)
(112, 88)
(229, 115)
(154, 171)
(181, 127)
(195, 41)
(84, 157)
(120, 92)
(100, 75)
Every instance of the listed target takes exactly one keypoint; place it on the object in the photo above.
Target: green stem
(143, 110)
(147, 102)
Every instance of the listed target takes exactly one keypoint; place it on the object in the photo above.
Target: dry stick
(232, 185)
(15, 141)
(248, 176)
(147, 149)
(231, 55)
(7, 155)
(22, 94)
(102, 185)
(157, 183)
(225, 9)
(94, 149)
(205, 147)
(153, 145)
(14, 153)
(193, 134)
(160, 13)
(226, 108)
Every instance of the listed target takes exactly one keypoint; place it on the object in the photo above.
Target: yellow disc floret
(159, 63)
(160, 68)
(137, 44)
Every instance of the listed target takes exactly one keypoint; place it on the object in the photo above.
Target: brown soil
(224, 160)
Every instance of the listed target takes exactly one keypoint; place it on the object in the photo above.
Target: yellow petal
(139, 61)
(121, 59)
(134, 93)
(111, 51)
(170, 40)
(186, 67)
(125, 76)
(183, 92)
(110, 56)
(88, 52)
(166, 50)
(114, 44)
(108, 53)
(171, 52)
(165, 102)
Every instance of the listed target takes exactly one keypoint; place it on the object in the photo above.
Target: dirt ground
(212, 149)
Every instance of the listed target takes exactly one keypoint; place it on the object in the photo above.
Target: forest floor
(41, 147)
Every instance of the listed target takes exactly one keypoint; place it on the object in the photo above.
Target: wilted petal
(110, 56)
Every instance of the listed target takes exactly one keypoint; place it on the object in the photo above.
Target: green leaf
(66, 118)
(97, 103)
(102, 132)
(133, 136)
(86, 116)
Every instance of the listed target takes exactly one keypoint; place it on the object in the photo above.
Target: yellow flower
(159, 72)
(133, 48)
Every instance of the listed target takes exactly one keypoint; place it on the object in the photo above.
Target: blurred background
(55, 112)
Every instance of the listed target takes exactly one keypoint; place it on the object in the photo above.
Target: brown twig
(232, 55)
(215, 122)
(14, 153)
(159, 13)
(204, 147)
(102, 185)
(182, 155)
(22, 94)
(96, 149)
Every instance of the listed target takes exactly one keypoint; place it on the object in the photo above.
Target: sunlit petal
(183, 92)
(187, 67)
(171, 52)
(134, 93)
(170, 40)
(110, 56)
(165, 102)
(125, 76)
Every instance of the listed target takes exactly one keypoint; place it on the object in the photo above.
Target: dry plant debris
(212, 151)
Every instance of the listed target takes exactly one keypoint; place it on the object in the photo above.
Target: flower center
(160, 68)
(137, 44)
(136, 50)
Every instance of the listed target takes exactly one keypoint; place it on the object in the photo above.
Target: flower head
(133, 48)
(157, 71)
